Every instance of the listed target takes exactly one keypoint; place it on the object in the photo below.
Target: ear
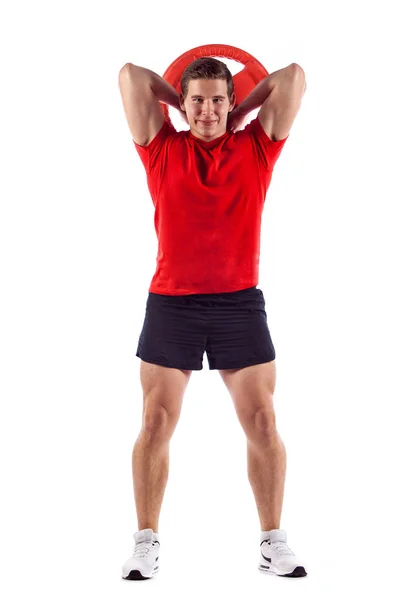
(182, 102)
(232, 102)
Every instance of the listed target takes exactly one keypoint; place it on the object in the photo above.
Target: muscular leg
(252, 390)
(266, 468)
(163, 391)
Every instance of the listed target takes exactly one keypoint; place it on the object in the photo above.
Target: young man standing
(208, 186)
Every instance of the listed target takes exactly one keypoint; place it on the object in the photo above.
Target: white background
(78, 251)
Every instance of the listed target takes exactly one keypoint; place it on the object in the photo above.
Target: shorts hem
(242, 364)
(162, 363)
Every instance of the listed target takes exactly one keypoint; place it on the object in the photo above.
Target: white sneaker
(277, 558)
(143, 564)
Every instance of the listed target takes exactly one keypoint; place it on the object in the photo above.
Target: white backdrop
(78, 251)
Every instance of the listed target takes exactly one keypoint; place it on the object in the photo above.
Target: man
(208, 187)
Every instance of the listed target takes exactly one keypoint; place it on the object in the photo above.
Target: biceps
(280, 108)
(142, 110)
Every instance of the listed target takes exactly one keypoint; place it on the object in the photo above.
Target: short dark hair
(206, 68)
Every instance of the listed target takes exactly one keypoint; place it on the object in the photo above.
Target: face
(207, 106)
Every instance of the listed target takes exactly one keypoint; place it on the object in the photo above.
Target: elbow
(128, 69)
(125, 68)
(297, 69)
(299, 74)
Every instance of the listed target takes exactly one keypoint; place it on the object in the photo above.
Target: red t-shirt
(208, 198)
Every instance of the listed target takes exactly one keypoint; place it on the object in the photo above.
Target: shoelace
(142, 549)
(281, 548)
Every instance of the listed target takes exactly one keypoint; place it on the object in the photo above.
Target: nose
(208, 107)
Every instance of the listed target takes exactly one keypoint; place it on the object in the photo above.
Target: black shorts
(230, 327)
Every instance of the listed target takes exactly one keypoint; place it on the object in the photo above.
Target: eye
(215, 100)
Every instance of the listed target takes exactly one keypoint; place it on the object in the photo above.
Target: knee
(263, 426)
(158, 424)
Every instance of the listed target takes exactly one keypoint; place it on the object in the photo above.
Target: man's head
(207, 97)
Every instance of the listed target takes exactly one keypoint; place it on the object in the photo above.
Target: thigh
(251, 389)
(237, 332)
(163, 387)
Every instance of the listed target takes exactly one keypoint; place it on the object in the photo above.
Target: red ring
(244, 81)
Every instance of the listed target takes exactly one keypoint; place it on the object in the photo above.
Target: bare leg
(150, 465)
(266, 468)
(252, 390)
(163, 391)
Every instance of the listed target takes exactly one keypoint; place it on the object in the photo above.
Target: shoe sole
(297, 572)
(136, 575)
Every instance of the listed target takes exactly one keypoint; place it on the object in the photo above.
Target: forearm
(163, 91)
(263, 89)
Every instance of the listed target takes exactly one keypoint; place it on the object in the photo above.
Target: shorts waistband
(207, 296)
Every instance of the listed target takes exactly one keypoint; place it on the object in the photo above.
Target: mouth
(208, 123)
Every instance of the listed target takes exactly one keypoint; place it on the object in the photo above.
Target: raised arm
(279, 95)
(142, 91)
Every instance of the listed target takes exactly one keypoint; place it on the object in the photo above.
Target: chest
(216, 168)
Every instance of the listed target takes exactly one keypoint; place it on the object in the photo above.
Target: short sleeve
(267, 150)
(149, 154)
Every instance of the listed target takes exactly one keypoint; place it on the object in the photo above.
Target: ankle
(144, 525)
